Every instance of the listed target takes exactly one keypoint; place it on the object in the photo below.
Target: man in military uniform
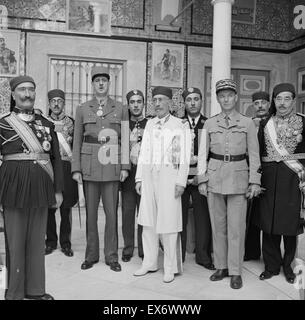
(31, 178)
(203, 235)
(261, 104)
(282, 147)
(64, 127)
(227, 179)
(8, 61)
(101, 161)
(160, 180)
(130, 198)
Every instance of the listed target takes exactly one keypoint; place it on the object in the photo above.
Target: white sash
(294, 165)
(29, 138)
(64, 144)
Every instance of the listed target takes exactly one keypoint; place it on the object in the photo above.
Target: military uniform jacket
(24, 183)
(101, 143)
(238, 138)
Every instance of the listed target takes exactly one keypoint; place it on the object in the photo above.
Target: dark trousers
(25, 231)
(130, 205)
(272, 252)
(65, 228)
(203, 234)
(109, 191)
(253, 243)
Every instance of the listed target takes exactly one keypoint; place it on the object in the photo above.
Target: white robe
(164, 214)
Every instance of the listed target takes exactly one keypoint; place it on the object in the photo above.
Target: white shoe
(168, 277)
(143, 271)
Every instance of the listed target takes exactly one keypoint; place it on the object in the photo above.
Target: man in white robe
(160, 180)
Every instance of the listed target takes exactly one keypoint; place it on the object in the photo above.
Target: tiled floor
(65, 279)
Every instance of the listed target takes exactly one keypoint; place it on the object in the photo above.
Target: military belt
(26, 156)
(227, 157)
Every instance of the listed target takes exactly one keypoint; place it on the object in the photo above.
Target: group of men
(239, 176)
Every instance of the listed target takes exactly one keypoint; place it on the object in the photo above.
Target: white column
(221, 57)
(96, 12)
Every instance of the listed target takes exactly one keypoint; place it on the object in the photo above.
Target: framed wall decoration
(301, 81)
(89, 16)
(9, 53)
(301, 105)
(243, 11)
(251, 83)
(167, 65)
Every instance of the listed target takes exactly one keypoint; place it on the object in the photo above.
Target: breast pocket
(216, 136)
(115, 124)
(239, 140)
(86, 160)
(89, 123)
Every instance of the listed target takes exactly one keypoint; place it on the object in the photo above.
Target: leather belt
(228, 157)
(26, 156)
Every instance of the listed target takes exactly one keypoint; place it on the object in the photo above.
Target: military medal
(46, 145)
(99, 112)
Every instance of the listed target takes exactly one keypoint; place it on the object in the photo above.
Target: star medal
(46, 145)
(99, 112)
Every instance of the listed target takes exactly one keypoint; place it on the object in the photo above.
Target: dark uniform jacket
(101, 143)
(279, 206)
(24, 183)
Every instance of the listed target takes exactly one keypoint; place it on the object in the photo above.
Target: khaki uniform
(100, 152)
(227, 183)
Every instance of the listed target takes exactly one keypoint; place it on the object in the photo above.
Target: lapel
(234, 119)
(221, 121)
(110, 106)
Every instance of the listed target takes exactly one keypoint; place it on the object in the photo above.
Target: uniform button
(34, 162)
(103, 127)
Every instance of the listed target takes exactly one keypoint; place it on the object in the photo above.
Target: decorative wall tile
(128, 13)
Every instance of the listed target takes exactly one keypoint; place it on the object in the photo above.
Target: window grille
(73, 76)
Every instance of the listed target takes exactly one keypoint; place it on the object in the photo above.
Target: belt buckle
(226, 158)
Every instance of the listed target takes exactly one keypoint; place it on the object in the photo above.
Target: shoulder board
(4, 114)
(301, 114)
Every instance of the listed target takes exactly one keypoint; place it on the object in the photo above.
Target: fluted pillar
(221, 57)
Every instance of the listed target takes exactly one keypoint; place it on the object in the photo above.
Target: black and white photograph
(152, 157)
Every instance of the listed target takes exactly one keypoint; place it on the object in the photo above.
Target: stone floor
(66, 281)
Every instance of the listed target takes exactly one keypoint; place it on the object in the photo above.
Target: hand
(195, 181)
(77, 176)
(254, 190)
(138, 187)
(123, 175)
(178, 191)
(59, 199)
(203, 189)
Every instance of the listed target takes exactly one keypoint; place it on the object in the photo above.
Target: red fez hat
(260, 95)
(56, 93)
(21, 79)
(190, 91)
(162, 90)
(133, 93)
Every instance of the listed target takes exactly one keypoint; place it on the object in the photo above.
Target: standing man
(8, 60)
(261, 103)
(31, 178)
(64, 127)
(101, 160)
(130, 198)
(160, 180)
(203, 235)
(282, 147)
(227, 179)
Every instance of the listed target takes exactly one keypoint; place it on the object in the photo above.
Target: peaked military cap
(162, 90)
(133, 93)
(190, 91)
(99, 71)
(226, 84)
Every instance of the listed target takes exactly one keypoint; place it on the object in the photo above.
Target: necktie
(193, 123)
(227, 120)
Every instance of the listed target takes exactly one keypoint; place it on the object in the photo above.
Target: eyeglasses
(285, 99)
(57, 101)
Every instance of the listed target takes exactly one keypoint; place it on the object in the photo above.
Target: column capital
(213, 2)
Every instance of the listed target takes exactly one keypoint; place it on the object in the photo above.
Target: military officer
(130, 198)
(261, 103)
(160, 180)
(227, 179)
(64, 127)
(203, 235)
(101, 161)
(31, 178)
